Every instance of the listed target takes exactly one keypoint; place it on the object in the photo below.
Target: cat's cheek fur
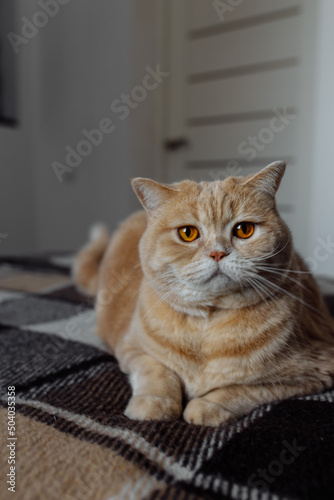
(260, 243)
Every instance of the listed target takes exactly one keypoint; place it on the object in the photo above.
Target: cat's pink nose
(217, 255)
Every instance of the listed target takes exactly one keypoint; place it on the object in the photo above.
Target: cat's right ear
(268, 179)
(151, 194)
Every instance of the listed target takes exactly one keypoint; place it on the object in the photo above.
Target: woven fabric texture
(74, 442)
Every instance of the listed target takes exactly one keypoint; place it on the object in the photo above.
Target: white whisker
(268, 266)
(282, 290)
(146, 283)
(164, 297)
(280, 273)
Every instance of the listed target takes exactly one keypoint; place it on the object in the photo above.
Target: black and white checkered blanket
(73, 440)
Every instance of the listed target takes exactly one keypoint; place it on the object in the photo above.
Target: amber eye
(188, 233)
(243, 230)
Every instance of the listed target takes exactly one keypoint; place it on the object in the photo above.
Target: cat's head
(210, 243)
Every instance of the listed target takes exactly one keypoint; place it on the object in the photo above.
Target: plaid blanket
(64, 435)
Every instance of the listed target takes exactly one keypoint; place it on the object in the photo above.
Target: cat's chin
(211, 288)
(202, 304)
(218, 275)
(219, 292)
(218, 284)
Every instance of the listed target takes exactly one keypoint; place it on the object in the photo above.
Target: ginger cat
(202, 299)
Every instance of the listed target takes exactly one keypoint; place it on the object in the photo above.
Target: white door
(238, 93)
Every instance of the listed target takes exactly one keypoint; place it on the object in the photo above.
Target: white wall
(16, 193)
(85, 57)
(144, 124)
(17, 215)
(83, 61)
(321, 257)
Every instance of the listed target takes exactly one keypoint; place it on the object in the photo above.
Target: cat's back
(128, 232)
(120, 278)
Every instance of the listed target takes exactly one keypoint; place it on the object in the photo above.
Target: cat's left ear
(268, 179)
(151, 194)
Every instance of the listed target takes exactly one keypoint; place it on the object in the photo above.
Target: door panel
(244, 47)
(204, 13)
(228, 81)
(241, 94)
(233, 140)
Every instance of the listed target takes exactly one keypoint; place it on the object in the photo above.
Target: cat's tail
(86, 265)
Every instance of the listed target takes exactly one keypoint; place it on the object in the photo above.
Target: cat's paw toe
(152, 408)
(202, 412)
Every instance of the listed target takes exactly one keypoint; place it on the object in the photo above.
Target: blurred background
(94, 92)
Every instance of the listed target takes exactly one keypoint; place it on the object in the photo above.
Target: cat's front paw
(202, 412)
(152, 408)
